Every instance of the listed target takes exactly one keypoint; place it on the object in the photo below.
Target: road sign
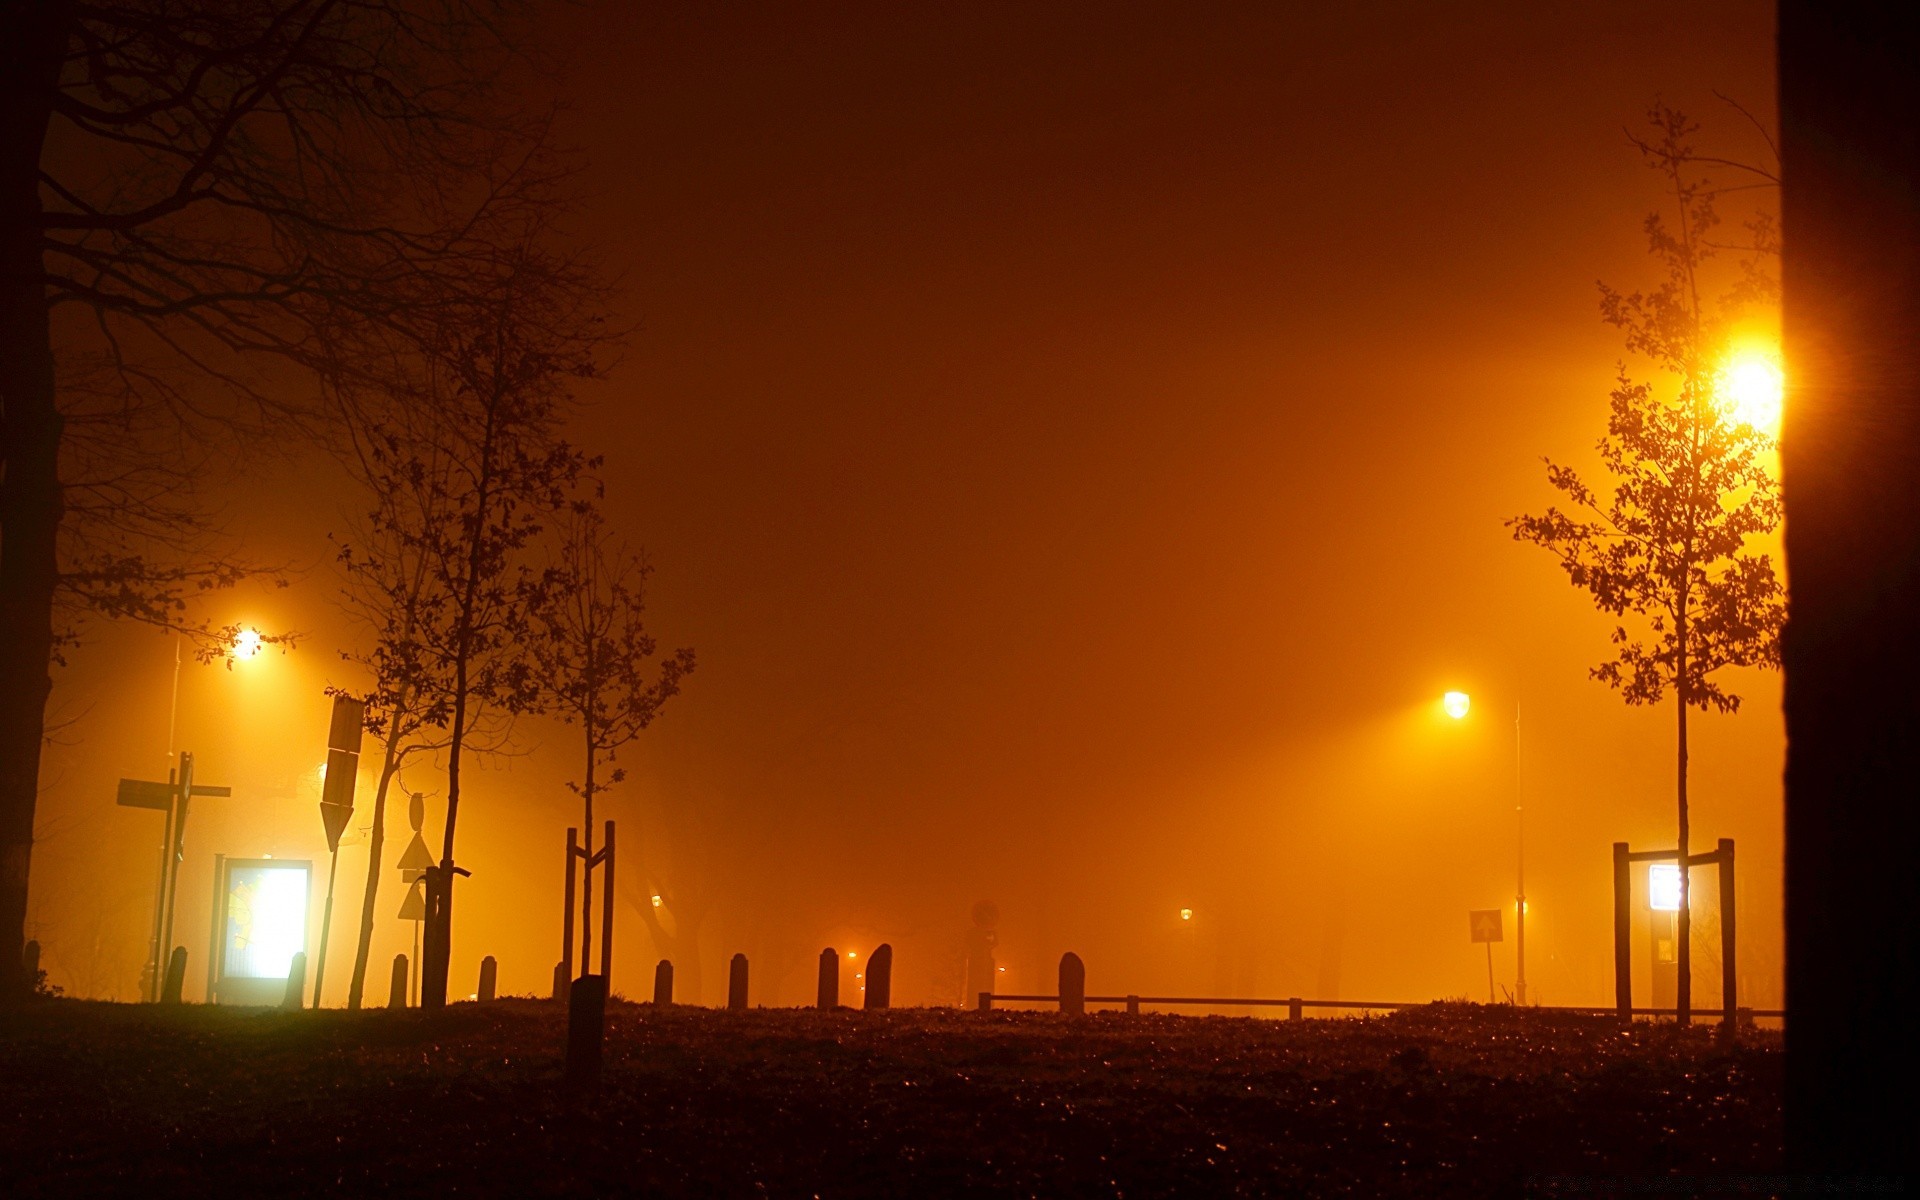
(1484, 925)
(147, 793)
(414, 907)
(349, 724)
(416, 857)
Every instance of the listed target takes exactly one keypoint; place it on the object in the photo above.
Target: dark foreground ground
(99, 1099)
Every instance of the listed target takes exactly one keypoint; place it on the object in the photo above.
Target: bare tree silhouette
(187, 194)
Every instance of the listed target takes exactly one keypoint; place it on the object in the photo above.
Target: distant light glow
(1457, 704)
(851, 954)
(656, 899)
(1753, 389)
(1663, 887)
(1186, 914)
(246, 644)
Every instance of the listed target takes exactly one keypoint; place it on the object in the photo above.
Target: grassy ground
(100, 1099)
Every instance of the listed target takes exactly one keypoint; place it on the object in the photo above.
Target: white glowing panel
(266, 919)
(1663, 887)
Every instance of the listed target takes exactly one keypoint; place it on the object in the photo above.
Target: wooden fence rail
(1295, 1005)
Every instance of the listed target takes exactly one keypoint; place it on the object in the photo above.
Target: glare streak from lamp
(1457, 706)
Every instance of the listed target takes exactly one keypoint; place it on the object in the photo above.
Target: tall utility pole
(1520, 878)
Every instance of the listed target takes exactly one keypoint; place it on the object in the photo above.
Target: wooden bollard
(986, 1001)
(560, 980)
(397, 990)
(1133, 1005)
(1073, 984)
(586, 1028)
(176, 976)
(829, 994)
(489, 979)
(737, 982)
(296, 982)
(663, 983)
(879, 993)
(1293, 1008)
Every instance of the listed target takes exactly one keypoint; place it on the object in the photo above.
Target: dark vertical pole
(663, 983)
(489, 979)
(176, 976)
(1622, 932)
(176, 851)
(737, 982)
(1729, 975)
(155, 953)
(606, 909)
(566, 907)
(1850, 453)
(216, 936)
(828, 995)
(397, 988)
(326, 927)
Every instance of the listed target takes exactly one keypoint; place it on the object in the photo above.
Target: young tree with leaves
(593, 653)
(1691, 485)
(465, 493)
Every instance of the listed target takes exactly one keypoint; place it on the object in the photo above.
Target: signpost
(414, 863)
(336, 806)
(170, 798)
(1483, 925)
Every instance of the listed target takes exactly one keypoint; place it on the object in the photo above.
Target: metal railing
(1296, 1005)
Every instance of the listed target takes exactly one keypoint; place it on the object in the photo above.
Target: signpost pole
(177, 850)
(326, 927)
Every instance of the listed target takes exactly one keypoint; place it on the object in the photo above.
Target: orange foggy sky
(1076, 442)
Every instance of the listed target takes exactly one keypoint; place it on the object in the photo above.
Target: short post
(879, 993)
(397, 990)
(1729, 977)
(1073, 984)
(1622, 932)
(737, 982)
(296, 982)
(663, 983)
(566, 920)
(1294, 1008)
(986, 1002)
(606, 907)
(1133, 1006)
(586, 1028)
(560, 981)
(489, 978)
(829, 993)
(176, 976)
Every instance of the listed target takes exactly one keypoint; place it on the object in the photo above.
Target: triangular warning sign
(414, 907)
(335, 817)
(417, 856)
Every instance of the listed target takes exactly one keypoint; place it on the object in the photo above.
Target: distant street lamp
(1457, 706)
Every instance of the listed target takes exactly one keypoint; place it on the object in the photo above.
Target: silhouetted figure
(1850, 469)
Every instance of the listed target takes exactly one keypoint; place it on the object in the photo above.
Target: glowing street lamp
(246, 644)
(1457, 705)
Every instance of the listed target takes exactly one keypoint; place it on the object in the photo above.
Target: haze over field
(1078, 452)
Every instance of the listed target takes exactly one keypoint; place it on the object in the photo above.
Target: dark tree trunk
(33, 37)
(1850, 143)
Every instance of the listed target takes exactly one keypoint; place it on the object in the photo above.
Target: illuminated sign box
(1663, 887)
(262, 924)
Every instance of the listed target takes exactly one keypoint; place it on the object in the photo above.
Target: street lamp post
(1457, 705)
